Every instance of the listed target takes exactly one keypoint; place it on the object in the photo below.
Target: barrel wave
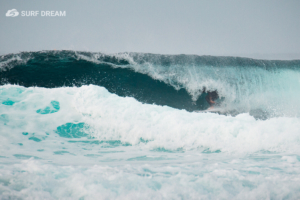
(263, 88)
(85, 125)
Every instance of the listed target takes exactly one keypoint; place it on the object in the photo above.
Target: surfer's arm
(210, 100)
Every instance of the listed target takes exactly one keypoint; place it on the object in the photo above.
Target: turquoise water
(99, 145)
(91, 141)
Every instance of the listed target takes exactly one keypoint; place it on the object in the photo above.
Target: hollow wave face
(262, 88)
(82, 125)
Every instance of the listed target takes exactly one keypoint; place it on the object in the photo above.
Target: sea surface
(86, 125)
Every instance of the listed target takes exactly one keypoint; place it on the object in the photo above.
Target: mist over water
(82, 125)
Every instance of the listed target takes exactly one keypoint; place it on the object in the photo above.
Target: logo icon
(12, 13)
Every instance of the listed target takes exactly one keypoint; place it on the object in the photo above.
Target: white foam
(145, 170)
(116, 118)
(214, 179)
(11, 62)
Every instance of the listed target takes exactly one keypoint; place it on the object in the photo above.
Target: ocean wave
(262, 88)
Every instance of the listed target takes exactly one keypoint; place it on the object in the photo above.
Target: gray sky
(255, 28)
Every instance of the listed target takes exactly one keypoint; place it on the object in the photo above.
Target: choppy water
(81, 125)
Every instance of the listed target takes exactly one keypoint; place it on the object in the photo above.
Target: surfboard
(215, 110)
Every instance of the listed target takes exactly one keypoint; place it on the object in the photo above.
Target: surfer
(210, 98)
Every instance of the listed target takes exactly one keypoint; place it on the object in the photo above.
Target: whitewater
(84, 125)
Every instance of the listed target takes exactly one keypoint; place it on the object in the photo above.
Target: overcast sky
(255, 28)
